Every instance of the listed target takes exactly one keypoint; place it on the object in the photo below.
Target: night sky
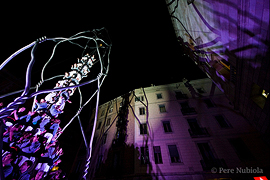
(144, 51)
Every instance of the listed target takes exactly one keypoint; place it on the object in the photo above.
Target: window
(208, 103)
(139, 98)
(180, 95)
(184, 105)
(206, 152)
(258, 95)
(174, 155)
(162, 108)
(157, 155)
(195, 129)
(186, 110)
(143, 128)
(144, 155)
(222, 122)
(167, 126)
(159, 96)
(241, 149)
(209, 160)
(142, 110)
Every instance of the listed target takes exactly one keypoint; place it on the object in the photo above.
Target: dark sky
(144, 51)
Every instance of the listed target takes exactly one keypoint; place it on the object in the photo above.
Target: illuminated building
(185, 130)
(229, 41)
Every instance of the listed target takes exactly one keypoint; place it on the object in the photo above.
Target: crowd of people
(31, 150)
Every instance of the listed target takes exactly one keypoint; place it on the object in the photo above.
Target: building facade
(229, 41)
(187, 130)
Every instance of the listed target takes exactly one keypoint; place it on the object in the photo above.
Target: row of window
(207, 153)
(195, 128)
(178, 95)
(185, 108)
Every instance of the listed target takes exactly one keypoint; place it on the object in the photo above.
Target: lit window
(162, 108)
(159, 96)
(264, 93)
(142, 110)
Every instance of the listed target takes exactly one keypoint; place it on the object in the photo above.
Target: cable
(15, 92)
(16, 53)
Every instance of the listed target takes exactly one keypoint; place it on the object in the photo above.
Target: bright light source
(265, 94)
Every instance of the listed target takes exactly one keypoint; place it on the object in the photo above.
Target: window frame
(178, 151)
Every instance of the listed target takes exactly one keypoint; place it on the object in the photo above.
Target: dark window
(208, 158)
(139, 98)
(159, 96)
(241, 149)
(184, 105)
(142, 110)
(162, 108)
(195, 129)
(194, 126)
(208, 103)
(144, 155)
(167, 126)
(221, 121)
(186, 110)
(180, 95)
(143, 128)
(157, 155)
(206, 152)
(175, 158)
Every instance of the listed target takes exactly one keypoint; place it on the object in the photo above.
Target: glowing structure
(65, 87)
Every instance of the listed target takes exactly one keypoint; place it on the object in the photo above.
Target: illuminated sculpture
(60, 94)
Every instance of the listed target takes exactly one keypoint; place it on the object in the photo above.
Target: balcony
(207, 165)
(198, 132)
(188, 111)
